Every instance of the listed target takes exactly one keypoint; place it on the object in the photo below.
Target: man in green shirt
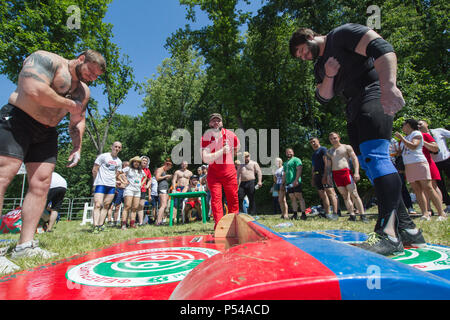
(292, 181)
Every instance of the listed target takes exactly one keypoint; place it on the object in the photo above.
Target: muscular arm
(354, 158)
(298, 174)
(95, 170)
(174, 180)
(326, 170)
(386, 67)
(258, 173)
(77, 125)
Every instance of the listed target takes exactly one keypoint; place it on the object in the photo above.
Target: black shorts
(318, 181)
(56, 197)
(26, 139)
(297, 189)
(118, 196)
(369, 123)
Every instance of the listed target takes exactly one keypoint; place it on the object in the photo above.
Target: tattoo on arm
(40, 64)
(75, 134)
(78, 94)
(26, 74)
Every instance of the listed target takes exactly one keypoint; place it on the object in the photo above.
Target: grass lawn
(69, 238)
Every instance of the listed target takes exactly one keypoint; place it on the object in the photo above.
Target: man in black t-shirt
(356, 63)
(326, 191)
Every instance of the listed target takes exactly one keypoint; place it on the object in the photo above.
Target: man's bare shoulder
(44, 59)
(349, 148)
(253, 163)
(47, 53)
(50, 55)
(41, 65)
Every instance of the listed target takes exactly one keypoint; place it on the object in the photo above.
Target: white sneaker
(442, 218)
(425, 218)
(30, 249)
(7, 266)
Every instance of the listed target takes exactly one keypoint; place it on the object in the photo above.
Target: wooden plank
(237, 226)
(226, 227)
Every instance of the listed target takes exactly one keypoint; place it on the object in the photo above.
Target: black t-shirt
(317, 159)
(357, 81)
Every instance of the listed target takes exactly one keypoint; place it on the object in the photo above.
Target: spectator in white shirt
(104, 172)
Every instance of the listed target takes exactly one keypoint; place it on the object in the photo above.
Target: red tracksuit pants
(228, 182)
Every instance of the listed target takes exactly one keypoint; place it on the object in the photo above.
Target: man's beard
(79, 75)
(314, 49)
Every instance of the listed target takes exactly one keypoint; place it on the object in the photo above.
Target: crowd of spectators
(127, 195)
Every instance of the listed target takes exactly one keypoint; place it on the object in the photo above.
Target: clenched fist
(332, 67)
(391, 100)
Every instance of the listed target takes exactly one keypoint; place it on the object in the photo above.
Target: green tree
(172, 100)
(221, 44)
(29, 25)
(117, 81)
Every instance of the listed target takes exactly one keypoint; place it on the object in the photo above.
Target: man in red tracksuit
(219, 146)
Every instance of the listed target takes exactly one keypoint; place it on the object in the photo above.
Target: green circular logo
(429, 258)
(140, 268)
